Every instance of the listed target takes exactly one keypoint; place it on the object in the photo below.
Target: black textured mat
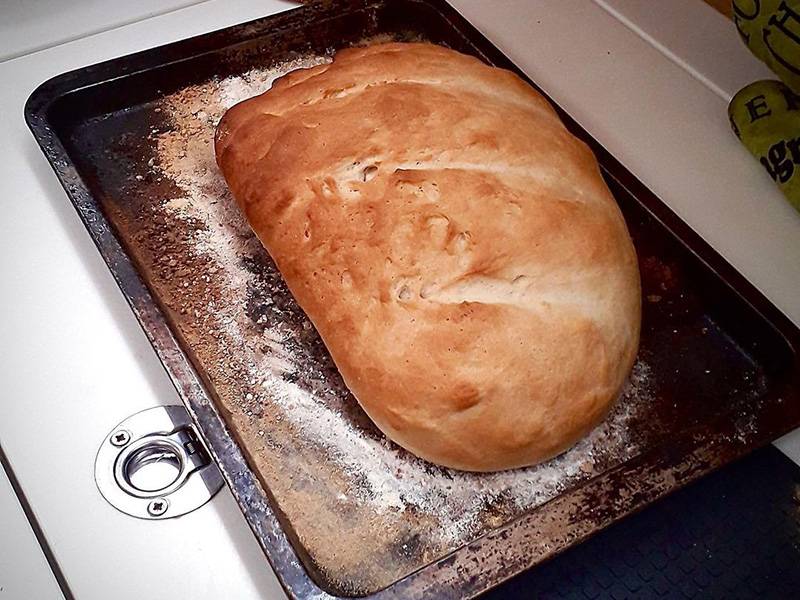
(732, 535)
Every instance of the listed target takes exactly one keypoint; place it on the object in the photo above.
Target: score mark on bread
(454, 245)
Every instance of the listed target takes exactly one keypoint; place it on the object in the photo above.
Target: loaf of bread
(455, 247)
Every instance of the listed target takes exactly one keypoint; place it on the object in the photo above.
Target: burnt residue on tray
(714, 374)
(365, 511)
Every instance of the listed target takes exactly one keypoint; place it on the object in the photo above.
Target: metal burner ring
(154, 466)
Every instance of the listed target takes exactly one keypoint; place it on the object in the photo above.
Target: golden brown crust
(453, 244)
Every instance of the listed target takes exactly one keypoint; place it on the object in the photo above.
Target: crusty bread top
(455, 247)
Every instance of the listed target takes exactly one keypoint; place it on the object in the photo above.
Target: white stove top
(649, 80)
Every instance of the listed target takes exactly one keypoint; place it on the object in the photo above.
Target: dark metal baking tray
(717, 370)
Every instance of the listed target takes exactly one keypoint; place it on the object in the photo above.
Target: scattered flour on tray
(458, 498)
(382, 477)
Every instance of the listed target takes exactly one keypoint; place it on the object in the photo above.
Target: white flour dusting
(268, 350)
(457, 497)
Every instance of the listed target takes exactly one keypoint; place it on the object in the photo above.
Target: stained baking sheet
(338, 509)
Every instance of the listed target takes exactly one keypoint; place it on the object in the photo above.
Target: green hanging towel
(765, 115)
(771, 30)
